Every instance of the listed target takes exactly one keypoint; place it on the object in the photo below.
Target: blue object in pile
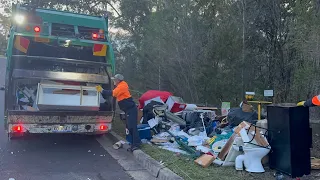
(144, 131)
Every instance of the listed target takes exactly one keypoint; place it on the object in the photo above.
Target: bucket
(118, 145)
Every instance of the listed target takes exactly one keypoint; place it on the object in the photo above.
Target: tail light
(17, 128)
(37, 29)
(98, 35)
(103, 127)
(94, 36)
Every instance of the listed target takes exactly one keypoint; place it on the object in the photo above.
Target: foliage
(209, 51)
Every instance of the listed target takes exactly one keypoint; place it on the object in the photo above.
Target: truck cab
(54, 61)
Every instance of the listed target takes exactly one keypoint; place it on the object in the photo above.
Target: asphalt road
(54, 157)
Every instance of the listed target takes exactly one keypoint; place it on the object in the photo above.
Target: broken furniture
(67, 97)
(193, 119)
(160, 110)
(290, 139)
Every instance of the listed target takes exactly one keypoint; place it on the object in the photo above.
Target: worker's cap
(118, 77)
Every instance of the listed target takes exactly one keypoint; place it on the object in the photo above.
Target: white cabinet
(67, 97)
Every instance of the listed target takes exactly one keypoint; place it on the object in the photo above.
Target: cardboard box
(243, 124)
(258, 137)
(205, 160)
(261, 140)
(226, 148)
(315, 163)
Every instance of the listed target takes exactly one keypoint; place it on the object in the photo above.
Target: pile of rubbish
(231, 139)
(26, 98)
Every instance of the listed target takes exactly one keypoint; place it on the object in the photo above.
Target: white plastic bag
(196, 140)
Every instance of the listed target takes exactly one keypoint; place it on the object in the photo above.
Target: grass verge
(186, 168)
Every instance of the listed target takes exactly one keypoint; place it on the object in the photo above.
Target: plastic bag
(196, 140)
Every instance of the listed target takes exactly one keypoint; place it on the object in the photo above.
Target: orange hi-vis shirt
(121, 92)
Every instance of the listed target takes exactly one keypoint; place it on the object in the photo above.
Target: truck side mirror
(2, 88)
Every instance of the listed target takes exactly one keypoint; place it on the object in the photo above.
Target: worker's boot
(133, 148)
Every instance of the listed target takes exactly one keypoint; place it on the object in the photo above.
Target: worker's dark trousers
(132, 130)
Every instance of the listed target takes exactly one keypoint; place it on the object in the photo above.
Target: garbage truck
(54, 61)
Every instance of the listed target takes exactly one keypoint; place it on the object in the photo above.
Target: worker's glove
(99, 88)
(301, 103)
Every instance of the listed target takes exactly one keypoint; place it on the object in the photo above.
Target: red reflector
(103, 127)
(17, 128)
(94, 35)
(37, 29)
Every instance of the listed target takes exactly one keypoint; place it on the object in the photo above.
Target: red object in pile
(153, 94)
(175, 104)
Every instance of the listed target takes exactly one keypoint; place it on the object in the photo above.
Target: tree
(209, 51)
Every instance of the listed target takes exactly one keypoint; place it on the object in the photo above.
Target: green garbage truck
(54, 61)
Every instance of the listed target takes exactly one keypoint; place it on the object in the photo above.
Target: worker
(314, 101)
(126, 104)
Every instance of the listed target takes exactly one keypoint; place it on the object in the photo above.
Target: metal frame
(61, 76)
(60, 113)
(63, 60)
(48, 128)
